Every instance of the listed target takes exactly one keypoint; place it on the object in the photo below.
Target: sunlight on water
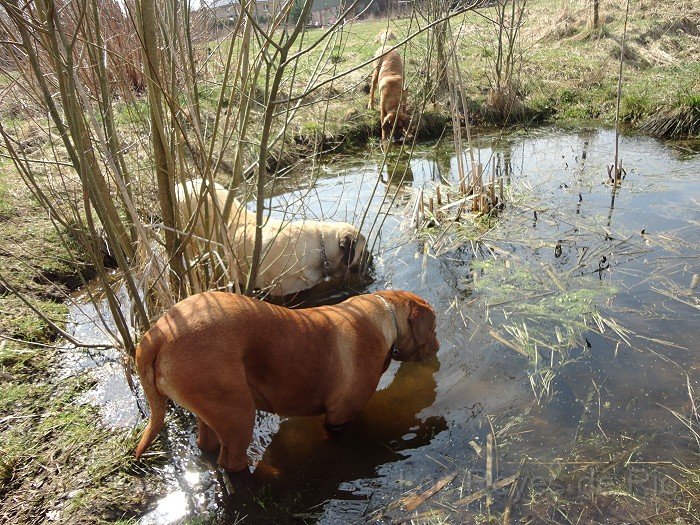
(171, 508)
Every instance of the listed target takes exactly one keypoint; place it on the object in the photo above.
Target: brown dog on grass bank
(388, 75)
(222, 356)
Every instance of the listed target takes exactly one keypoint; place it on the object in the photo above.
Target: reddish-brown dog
(222, 356)
(388, 75)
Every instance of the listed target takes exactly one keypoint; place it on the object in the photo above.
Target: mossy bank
(56, 463)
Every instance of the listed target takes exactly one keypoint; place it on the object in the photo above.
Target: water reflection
(305, 464)
(562, 229)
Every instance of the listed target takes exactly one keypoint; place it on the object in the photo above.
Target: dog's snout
(360, 245)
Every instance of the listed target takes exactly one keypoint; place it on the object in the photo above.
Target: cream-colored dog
(295, 256)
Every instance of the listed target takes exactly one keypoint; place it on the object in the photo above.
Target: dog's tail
(146, 353)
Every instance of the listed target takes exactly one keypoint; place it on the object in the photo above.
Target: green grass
(683, 121)
(54, 459)
(20, 322)
(634, 107)
(6, 208)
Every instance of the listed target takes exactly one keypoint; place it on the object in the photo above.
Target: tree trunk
(164, 165)
(596, 14)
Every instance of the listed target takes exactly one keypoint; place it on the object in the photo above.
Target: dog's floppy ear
(347, 248)
(388, 122)
(404, 121)
(421, 321)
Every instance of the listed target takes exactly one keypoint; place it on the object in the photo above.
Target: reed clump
(680, 122)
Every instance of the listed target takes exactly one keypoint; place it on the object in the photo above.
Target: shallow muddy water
(568, 329)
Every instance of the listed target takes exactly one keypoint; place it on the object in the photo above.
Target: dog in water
(223, 356)
(296, 255)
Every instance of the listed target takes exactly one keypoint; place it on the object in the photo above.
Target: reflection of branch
(45, 318)
(613, 193)
(616, 168)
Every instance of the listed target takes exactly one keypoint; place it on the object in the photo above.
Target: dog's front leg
(341, 410)
(382, 117)
(373, 86)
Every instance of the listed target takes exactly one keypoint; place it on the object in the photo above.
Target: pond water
(569, 337)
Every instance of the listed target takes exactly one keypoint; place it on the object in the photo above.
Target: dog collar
(325, 263)
(392, 313)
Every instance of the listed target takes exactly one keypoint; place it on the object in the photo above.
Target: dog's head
(417, 339)
(351, 244)
(400, 129)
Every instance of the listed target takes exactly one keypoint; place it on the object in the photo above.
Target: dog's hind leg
(207, 439)
(232, 421)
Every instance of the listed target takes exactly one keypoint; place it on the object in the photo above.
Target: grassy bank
(56, 464)
(567, 71)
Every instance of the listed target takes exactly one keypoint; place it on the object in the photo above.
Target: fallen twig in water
(483, 492)
(498, 337)
(412, 502)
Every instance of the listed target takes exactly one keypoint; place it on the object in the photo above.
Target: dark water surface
(590, 287)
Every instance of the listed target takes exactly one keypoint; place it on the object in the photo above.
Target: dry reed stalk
(615, 173)
(479, 494)
(489, 468)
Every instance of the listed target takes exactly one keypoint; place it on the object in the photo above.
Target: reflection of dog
(296, 255)
(388, 75)
(222, 356)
